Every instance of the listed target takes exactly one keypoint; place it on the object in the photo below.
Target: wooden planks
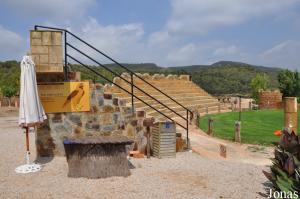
(164, 139)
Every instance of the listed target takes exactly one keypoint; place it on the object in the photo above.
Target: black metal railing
(132, 74)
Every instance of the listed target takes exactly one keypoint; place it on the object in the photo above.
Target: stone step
(188, 104)
(180, 109)
(162, 87)
(162, 97)
(169, 92)
(169, 102)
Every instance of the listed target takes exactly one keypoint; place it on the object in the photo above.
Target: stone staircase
(180, 88)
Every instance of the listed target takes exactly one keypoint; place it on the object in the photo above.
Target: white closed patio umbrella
(31, 113)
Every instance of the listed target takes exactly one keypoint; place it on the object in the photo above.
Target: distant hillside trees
(220, 78)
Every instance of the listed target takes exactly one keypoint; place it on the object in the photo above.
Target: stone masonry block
(39, 49)
(36, 59)
(44, 59)
(35, 42)
(35, 34)
(46, 38)
(55, 54)
(56, 38)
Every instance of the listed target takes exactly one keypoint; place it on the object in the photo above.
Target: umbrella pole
(27, 145)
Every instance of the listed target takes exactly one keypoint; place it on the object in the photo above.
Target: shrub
(285, 171)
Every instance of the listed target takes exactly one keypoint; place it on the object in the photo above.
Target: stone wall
(108, 116)
(46, 50)
(270, 99)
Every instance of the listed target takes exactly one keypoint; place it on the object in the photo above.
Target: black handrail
(123, 89)
(124, 67)
(124, 79)
(127, 69)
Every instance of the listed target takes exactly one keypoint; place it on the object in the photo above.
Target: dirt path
(209, 147)
(189, 175)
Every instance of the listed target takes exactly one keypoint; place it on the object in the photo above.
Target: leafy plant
(9, 91)
(285, 171)
(259, 82)
(289, 83)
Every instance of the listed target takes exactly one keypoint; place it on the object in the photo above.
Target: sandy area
(186, 176)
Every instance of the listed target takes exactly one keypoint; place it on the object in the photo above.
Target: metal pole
(148, 141)
(240, 111)
(27, 145)
(187, 129)
(132, 102)
(27, 138)
(66, 61)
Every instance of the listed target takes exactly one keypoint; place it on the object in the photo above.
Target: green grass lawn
(257, 126)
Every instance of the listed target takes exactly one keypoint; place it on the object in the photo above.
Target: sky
(165, 32)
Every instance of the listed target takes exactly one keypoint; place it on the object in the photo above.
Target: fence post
(237, 135)
(198, 120)
(206, 109)
(210, 126)
(219, 108)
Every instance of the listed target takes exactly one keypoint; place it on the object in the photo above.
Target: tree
(259, 82)
(289, 83)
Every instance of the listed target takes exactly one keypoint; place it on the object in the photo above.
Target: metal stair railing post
(132, 100)
(187, 129)
(66, 58)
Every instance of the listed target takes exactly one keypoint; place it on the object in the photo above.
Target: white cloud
(173, 45)
(121, 42)
(230, 50)
(12, 45)
(183, 55)
(201, 16)
(285, 54)
(50, 9)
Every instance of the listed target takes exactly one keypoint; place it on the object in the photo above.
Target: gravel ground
(186, 176)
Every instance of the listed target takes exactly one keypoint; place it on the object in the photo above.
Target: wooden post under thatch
(97, 157)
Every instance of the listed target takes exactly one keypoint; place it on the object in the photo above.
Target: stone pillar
(290, 113)
(46, 51)
(237, 134)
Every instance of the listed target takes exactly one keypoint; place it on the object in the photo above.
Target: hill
(224, 77)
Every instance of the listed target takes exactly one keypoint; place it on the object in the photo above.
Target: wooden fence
(12, 102)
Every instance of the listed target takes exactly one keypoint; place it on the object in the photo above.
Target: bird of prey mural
(75, 96)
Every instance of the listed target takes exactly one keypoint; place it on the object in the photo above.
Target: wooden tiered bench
(97, 157)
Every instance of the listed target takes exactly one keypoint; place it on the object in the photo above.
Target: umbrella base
(28, 168)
